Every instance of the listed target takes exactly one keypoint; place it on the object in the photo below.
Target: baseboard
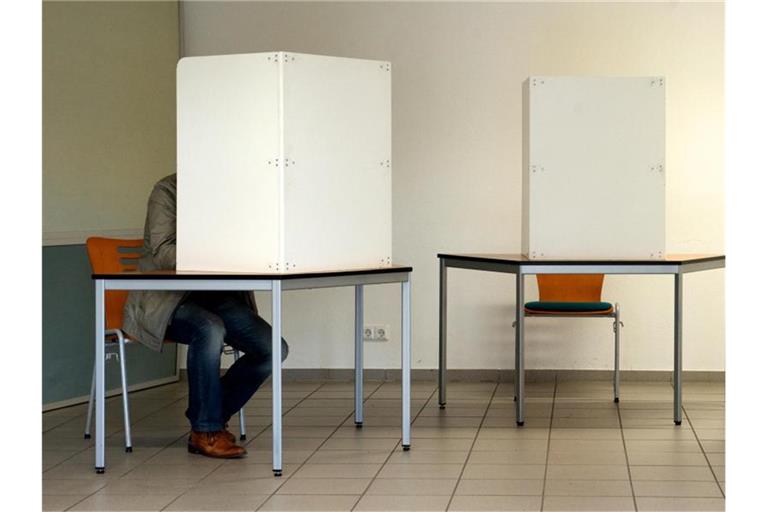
(484, 375)
(112, 392)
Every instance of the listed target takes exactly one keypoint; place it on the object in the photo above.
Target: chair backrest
(114, 255)
(570, 287)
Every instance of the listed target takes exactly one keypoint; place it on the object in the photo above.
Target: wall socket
(376, 332)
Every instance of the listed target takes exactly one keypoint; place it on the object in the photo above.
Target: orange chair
(111, 255)
(577, 295)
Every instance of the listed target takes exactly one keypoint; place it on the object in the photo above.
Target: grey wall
(68, 332)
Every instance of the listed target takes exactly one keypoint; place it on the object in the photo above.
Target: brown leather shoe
(214, 444)
(230, 435)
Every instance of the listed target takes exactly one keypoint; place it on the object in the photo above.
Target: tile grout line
(472, 446)
(549, 442)
(365, 399)
(701, 446)
(263, 429)
(626, 456)
(413, 419)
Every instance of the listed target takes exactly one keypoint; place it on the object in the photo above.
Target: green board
(68, 333)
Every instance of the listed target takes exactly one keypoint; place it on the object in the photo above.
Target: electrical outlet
(376, 332)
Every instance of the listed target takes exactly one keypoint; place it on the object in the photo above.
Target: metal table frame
(677, 266)
(276, 284)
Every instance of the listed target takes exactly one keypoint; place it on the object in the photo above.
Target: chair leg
(124, 384)
(236, 354)
(617, 353)
(87, 434)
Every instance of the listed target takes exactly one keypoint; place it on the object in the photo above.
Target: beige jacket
(148, 313)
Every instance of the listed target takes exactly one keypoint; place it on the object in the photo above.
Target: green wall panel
(68, 331)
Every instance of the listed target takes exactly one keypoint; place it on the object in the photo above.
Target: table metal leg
(277, 378)
(406, 361)
(443, 356)
(359, 355)
(678, 371)
(519, 350)
(99, 365)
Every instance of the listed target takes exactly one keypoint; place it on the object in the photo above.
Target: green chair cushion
(568, 307)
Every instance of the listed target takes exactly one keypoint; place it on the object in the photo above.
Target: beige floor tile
(359, 444)
(236, 469)
(169, 471)
(666, 459)
(707, 434)
(133, 502)
(309, 503)
(84, 471)
(658, 445)
(587, 457)
(713, 446)
(500, 487)
(503, 472)
(587, 488)
(586, 445)
(676, 489)
(266, 485)
(404, 503)
(354, 486)
(264, 442)
(265, 456)
(149, 486)
(511, 422)
(421, 456)
(666, 473)
(716, 459)
(449, 412)
(680, 504)
(450, 421)
(513, 433)
(670, 433)
(509, 457)
(442, 444)
(349, 457)
(492, 445)
(587, 472)
(226, 502)
(57, 502)
(300, 431)
(590, 504)
(586, 433)
(338, 471)
(495, 503)
(566, 422)
(412, 486)
(368, 432)
(719, 472)
(72, 487)
(583, 412)
(443, 432)
(442, 471)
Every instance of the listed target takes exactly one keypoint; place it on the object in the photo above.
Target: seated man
(204, 321)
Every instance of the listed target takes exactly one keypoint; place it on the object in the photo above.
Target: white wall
(457, 74)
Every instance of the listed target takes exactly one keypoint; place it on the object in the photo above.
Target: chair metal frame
(117, 338)
(617, 325)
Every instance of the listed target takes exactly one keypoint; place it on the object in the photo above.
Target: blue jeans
(205, 321)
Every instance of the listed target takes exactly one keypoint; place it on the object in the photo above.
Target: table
(276, 284)
(675, 264)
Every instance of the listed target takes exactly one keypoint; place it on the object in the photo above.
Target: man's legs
(203, 332)
(251, 335)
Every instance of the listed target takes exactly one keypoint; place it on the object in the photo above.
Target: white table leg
(99, 365)
(277, 378)
(443, 355)
(678, 371)
(406, 361)
(359, 355)
(520, 350)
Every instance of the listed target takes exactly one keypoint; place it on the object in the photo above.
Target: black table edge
(254, 277)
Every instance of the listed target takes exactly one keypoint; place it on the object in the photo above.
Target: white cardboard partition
(284, 163)
(593, 168)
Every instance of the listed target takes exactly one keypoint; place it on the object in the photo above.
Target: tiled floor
(577, 451)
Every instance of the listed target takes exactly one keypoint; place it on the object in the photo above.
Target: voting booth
(284, 163)
(593, 168)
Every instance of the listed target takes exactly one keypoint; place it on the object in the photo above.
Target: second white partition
(594, 169)
(284, 163)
